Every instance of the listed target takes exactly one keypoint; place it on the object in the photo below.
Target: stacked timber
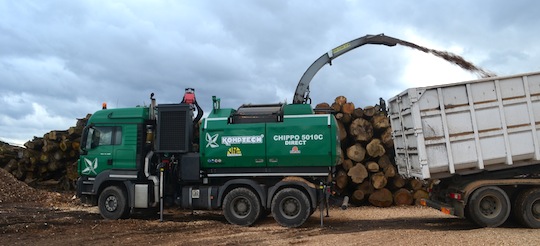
(50, 160)
(367, 173)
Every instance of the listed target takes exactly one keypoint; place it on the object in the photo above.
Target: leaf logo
(212, 140)
(91, 166)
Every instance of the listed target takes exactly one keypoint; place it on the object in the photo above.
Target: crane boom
(301, 94)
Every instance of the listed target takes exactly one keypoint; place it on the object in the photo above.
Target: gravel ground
(36, 217)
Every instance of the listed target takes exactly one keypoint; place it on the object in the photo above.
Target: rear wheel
(527, 208)
(489, 206)
(241, 207)
(112, 203)
(291, 207)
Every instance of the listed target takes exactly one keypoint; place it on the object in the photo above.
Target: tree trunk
(372, 166)
(356, 152)
(358, 173)
(342, 179)
(415, 184)
(375, 148)
(358, 113)
(347, 108)
(369, 111)
(361, 130)
(357, 196)
(381, 198)
(380, 121)
(347, 164)
(366, 187)
(386, 138)
(378, 180)
(403, 197)
(420, 194)
(389, 171)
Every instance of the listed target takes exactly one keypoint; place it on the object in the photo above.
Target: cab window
(106, 135)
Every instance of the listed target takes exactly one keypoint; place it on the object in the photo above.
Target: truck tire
(291, 207)
(489, 206)
(527, 208)
(241, 207)
(113, 204)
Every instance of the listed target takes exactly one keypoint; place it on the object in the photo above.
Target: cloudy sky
(59, 60)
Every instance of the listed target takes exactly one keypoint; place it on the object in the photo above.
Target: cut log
(375, 148)
(322, 108)
(372, 166)
(415, 184)
(361, 130)
(380, 121)
(356, 152)
(342, 131)
(384, 161)
(386, 138)
(369, 111)
(358, 173)
(347, 108)
(378, 180)
(336, 107)
(403, 197)
(398, 182)
(366, 187)
(419, 195)
(342, 179)
(347, 164)
(340, 100)
(344, 118)
(381, 198)
(389, 171)
(357, 196)
(358, 113)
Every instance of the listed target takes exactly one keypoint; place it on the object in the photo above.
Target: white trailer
(480, 139)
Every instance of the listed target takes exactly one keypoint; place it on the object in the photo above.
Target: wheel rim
(111, 203)
(241, 207)
(535, 209)
(290, 207)
(490, 206)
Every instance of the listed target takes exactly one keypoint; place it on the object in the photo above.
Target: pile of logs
(367, 172)
(50, 160)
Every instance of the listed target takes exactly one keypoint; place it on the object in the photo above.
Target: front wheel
(489, 206)
(241, 207)
(291, 207)
(527, 208)
(112, 203)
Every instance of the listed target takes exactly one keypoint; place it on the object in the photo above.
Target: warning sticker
(234, 151)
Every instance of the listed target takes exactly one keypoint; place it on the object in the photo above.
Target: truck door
(99, 147)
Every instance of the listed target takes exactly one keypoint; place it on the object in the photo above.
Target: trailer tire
(241, 207)
(527, 208)
(112, 203)
(291, 207)
(489, 206)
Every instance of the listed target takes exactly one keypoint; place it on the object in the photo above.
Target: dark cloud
(59, 60)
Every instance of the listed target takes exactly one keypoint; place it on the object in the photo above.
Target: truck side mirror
(86, 142)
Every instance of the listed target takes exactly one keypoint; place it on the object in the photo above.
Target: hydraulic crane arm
(301, 94)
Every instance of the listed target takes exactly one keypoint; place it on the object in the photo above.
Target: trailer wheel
(489, 206)
(241, 207)
(291, 207)
(112, 203)
(527, 208)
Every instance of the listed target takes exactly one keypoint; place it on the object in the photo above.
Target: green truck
(243, 162)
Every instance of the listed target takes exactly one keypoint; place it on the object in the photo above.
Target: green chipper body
(272, 136)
